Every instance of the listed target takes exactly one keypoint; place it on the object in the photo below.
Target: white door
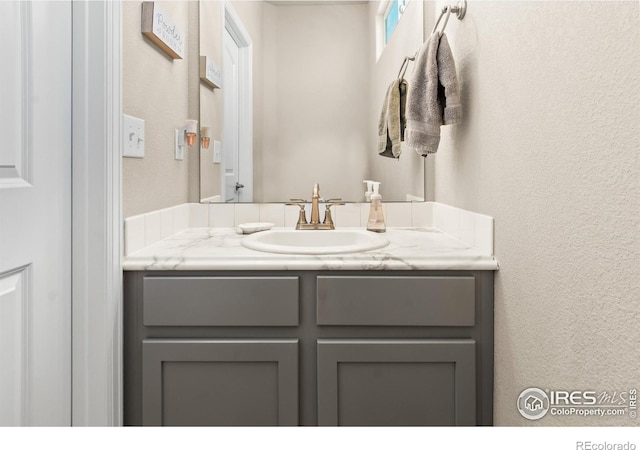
(35, 213)
(230, 139)
(237, 87)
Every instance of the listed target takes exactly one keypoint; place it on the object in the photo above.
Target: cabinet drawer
(396, 301)
(220, 301)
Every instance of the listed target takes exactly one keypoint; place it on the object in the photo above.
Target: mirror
(300, 99)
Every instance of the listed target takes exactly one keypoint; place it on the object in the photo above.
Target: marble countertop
(220, 249)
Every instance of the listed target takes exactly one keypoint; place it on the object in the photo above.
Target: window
(392, 17)
(387, 17)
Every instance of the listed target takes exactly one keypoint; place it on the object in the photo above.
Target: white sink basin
(315, 242)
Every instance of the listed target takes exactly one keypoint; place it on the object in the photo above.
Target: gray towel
(392, 120)
(433, 98)
(383, 135)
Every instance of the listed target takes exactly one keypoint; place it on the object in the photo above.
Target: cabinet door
(220, 382)
(396, 382)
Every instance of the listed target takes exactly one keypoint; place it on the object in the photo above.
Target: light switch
(179, 144)
(132, 137)
(217, 152)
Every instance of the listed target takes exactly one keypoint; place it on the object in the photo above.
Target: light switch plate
(217, 152)
(179, 144)
(132, 137)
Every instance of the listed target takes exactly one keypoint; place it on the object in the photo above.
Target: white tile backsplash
(152, 228)
(146, 229)
(471, 228)
(397, 214)
(166, 223)
(180, 217)
(134, 233)
(467, 228)
(221, 214)
(447, 219)
(273, 213)
(246, 213)
(347, 215)
(484, 228)
(198, 215)
(422, 214)
(438, 216)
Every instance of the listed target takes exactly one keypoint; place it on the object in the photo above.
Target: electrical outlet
(217, 152)
(179, 144)
(132, 137)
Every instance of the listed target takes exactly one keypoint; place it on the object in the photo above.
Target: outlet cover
(179, 144)
(217, 152)
(132, 137)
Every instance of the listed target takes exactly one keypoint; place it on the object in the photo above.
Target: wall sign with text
(210, 72)
(162, 30)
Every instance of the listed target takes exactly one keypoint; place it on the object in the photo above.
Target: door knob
(239, 186)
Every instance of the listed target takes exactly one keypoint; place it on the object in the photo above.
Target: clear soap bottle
(376, 215)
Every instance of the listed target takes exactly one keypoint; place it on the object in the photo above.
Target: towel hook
(404, 66)
(446, 9)
(459, 10)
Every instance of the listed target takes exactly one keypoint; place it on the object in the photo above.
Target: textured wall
(549, 147)
(155, 88)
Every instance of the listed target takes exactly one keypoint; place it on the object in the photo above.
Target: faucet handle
(302, 217)
(296, 202)
(334, 200)
(328, 220)
(329, 204)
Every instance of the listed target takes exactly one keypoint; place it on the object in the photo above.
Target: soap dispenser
(376, 215)
(369, 191)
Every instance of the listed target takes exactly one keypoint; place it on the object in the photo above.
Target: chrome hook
(460, 10)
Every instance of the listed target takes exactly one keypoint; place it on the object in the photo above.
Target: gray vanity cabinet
(396, 382)
(220, 382)
(308, 348)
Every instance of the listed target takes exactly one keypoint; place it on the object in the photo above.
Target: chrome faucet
(315, 224)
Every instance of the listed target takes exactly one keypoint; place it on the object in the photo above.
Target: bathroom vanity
(218, 334)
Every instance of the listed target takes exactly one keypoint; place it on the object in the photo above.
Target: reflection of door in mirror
(237, 182)
(230, 101)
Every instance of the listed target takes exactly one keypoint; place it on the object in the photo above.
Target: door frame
(232, 22)
(96, 215)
